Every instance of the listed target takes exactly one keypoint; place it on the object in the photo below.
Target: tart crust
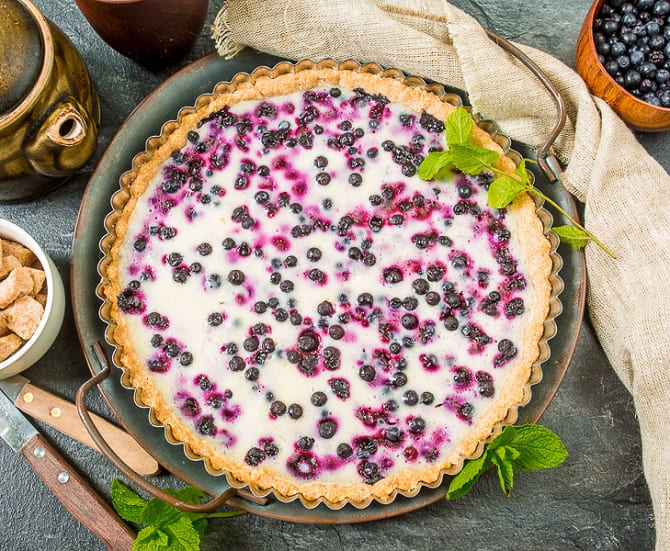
(523, 221)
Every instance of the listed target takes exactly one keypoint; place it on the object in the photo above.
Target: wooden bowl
(639, 114)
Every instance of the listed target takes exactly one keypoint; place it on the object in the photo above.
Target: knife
(71, 489)
(62, 416)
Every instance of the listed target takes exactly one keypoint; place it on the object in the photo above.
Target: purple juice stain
(230, 414)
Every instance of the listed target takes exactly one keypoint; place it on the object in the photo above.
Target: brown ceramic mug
(49, 111)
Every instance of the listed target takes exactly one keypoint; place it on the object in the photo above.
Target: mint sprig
(166, 528)
(469, 158)
(516, 448)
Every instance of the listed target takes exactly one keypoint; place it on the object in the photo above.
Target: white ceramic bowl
(52, 319)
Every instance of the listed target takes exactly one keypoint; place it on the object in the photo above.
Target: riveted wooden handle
(62, 415)
(76, 495)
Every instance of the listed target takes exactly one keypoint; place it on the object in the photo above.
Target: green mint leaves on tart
(472, 159)
(572, 235)
(165, 527)
(516, 448)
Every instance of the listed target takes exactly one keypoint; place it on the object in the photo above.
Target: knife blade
(76, 495)
(62, 415)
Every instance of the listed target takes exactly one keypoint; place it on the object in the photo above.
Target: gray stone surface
(597, 500)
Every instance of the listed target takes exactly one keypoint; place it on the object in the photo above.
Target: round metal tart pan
(146, 120)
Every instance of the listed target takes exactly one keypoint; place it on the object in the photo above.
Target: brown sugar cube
(42, 299)
(25, 256)
(7, 264)
(4, 330)
(8, 345)
(18, 284)
(39, 277)
(23, 316)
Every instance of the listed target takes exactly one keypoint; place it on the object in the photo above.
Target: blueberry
(236, 277)
(410, 303)
(251, 344)
(214, 319)
(331, 358)
(392, 275)
(427, 398)
(661, 8)
(410, 397)
(367, 372)
(612, 67)
(366, 447)
(409, 321)
(280, 314)
(514, 307)
(252, 374)
(305, 443)
(420, 286)
(236, 363)
(344, 451)
(336, 332)
(417, 425)
(277, 408)
(369, 471)
(632, 80)
(432, 298)
(340, 387)
(319, 398)
(313, 254)
(286, 286)
(464, 191)
(295, 411)
(308, 341)
(327, 428)
(316, 275)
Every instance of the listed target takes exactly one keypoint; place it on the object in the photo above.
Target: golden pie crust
(262, 479)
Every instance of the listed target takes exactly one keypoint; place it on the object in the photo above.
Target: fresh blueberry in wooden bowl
(623, 54)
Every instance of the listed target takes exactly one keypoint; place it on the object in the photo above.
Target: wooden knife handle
(76, 495)
(62, 415)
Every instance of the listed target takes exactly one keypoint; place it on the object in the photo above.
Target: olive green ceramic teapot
(49, 111)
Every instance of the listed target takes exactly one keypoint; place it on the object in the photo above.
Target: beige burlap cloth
(625, 191)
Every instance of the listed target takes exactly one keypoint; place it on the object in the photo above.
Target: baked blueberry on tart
(305, 312)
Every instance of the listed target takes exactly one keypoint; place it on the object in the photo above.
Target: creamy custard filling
(310, 305)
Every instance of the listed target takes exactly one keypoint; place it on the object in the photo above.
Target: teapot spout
(64, 141)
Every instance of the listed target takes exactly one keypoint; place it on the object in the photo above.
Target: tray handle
(545, 158)
(115, 460)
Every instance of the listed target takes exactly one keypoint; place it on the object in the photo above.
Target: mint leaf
(502, 458)
(503, 190)
(472, 159)
(183, 536)
(126, 502)
(539, 448)
(151, 539)
(572, 236)
(516, 448)
(458, 127)
(522, 171)
(189, 494)
(466, 479)
(200, 525)
(433, 163)
(160, 514)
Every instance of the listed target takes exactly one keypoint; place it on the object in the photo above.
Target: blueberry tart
(305, 313)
